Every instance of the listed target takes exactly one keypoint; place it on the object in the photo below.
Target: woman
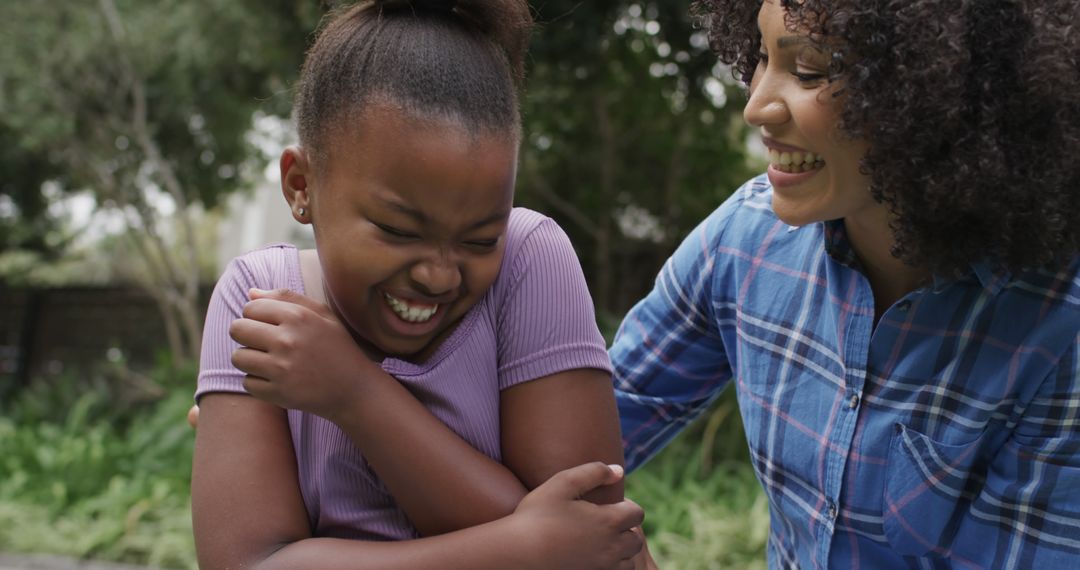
(897, 299)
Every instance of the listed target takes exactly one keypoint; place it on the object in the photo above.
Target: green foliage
(83, 476)
(627, 119)
(704, 508)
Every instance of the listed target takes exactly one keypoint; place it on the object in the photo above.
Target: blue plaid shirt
(946, 436)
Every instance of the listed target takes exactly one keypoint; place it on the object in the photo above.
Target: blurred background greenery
(134, 133)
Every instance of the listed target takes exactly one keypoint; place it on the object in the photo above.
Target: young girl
(898, 299)
(436, 356)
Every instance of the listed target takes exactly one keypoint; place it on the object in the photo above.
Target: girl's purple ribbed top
(537, 319)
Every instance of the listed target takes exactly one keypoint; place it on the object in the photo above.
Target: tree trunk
(602, 262)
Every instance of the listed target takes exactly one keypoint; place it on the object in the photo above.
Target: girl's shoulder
(530, 234)
(523, 222)
(274, 266)
(536, 248)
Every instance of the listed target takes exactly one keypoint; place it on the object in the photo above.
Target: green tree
(628, 119)
(632, 132)
(133, 99)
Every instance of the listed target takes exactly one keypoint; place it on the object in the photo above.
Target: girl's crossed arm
(246, 498)
(249, 512)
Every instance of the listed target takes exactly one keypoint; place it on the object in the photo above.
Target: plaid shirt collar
(991, 277)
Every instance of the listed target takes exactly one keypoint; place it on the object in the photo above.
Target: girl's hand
(566, 531)
(644, 559)
(297, 354)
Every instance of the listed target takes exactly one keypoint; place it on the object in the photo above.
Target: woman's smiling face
(814, 169)
(409, 218)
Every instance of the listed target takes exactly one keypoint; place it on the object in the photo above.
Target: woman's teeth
(795, 162)
(411, 313)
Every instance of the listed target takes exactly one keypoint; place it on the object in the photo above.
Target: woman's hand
(567, 531)
(298, 355)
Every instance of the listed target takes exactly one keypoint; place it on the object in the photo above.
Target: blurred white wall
(256, 218)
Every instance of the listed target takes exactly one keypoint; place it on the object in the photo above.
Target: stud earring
(302, 212)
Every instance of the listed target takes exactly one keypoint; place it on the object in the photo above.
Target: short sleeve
(545, 319)
(272, 267)
(216, 372)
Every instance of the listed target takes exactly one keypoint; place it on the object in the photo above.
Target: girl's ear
(295, 176)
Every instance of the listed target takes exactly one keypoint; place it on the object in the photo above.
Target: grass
(704, 508)
(88, 471)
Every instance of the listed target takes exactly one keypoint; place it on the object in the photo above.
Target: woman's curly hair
(971, 109)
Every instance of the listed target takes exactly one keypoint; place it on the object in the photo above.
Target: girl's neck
(315, 288)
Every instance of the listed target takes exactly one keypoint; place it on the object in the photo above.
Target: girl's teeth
(410, 313)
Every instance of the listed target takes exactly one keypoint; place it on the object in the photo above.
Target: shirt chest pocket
(929, 487)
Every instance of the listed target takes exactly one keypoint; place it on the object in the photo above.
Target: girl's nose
(437, 275)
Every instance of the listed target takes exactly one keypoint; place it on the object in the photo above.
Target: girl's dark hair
(971, 109)
(461, 61)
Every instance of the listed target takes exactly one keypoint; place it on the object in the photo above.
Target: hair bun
(508, 23)
(430, 6)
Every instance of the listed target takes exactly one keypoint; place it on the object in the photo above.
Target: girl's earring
(302, 212)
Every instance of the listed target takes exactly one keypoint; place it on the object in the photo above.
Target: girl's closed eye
(483, 244)
(395, 232)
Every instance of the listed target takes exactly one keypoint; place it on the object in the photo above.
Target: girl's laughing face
(409, 218)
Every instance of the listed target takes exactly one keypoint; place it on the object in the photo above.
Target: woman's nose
(766, 106)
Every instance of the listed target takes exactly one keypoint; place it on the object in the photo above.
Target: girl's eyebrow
(402, 208)
(422, 219)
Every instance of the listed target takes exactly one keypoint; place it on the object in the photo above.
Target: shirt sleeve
(1027, 515)
(669, 358)
(546, 321)
(216, 372)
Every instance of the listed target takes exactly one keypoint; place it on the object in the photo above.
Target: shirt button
(903, 306)
(832, 510)
(853, 402)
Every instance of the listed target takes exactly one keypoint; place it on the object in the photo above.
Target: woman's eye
(808, 77)
(390, 230)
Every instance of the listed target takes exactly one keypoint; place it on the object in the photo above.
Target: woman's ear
(295, 177)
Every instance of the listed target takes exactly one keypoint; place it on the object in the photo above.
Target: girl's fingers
(254, 333)
(272, 311)
(259, 387)
(629, 545)
(290, 296)
(575, 482)
(627, 515)
(253, 362)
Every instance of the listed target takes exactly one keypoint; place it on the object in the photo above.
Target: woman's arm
(248, 513)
